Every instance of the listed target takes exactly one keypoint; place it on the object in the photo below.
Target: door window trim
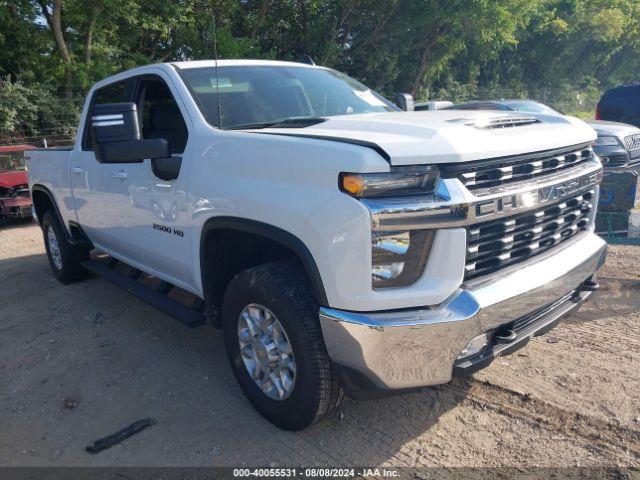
(136, 91)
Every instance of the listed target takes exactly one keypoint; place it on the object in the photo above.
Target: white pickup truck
(342, 245)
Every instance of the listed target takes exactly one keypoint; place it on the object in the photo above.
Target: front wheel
(275, 346)
(64, 258)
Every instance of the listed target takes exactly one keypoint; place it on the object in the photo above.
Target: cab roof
(239, 63)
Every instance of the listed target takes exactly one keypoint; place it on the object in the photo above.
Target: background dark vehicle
(617, 145)
(525, 106)
(620, 104)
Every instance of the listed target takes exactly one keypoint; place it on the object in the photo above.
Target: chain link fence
(37, 116)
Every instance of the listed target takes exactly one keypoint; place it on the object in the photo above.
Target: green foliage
(22, 41)
(561, 51)
(35, 111)
(16, 107)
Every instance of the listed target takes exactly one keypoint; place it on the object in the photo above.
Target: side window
(159, 114)
(112, 93)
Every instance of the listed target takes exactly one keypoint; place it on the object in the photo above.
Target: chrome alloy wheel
(54, 248)
(266, 351)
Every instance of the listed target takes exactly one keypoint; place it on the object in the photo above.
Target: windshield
(526, 106)
(254, 95)
(11, 161)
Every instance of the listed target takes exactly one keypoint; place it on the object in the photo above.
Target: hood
(615, 129)
(449, 136)
(13, 178)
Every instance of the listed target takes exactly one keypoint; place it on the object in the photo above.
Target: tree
(420, 46)
(53, 14)
(21, 41)
(34, 111)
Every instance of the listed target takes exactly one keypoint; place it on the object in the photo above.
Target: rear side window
(113, 93)
(622, 96)
(616, 96)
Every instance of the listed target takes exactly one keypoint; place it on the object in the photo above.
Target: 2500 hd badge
(164, 228)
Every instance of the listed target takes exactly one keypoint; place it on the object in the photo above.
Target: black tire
(68, 268)
(282, 289)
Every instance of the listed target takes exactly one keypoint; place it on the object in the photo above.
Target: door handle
(120, 175)
(76, 170)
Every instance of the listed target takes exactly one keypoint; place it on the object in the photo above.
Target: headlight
(398, 181)
(606, 141)
(399, 258)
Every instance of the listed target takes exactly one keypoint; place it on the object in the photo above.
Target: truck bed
(49, 171)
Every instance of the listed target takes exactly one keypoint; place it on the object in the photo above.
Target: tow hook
(589, 285)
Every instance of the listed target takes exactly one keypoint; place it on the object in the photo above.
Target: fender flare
(272, 233)
(47, 192)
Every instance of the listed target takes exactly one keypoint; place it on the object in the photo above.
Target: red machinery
(15, 199)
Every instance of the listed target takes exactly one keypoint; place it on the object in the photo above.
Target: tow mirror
(405, 102)
(116, 135)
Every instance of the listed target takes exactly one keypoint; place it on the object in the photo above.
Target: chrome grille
(616, 160)
(496, 244)
(497, 172)
(632, 142)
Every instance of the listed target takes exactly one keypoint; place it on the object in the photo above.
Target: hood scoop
(493, 123)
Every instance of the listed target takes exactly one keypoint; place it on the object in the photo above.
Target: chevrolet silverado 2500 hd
(341, 244)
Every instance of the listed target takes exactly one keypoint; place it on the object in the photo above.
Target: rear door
(95, 187)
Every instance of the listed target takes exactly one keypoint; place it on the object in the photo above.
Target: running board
(158, 298)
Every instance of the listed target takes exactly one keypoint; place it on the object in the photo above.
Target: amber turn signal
(353, 183)
(418, 179)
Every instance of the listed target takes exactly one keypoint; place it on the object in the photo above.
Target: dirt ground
(80, 362)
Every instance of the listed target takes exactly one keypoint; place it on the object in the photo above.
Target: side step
(158, 298)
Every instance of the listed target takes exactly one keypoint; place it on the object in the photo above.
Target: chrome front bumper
(406, 349)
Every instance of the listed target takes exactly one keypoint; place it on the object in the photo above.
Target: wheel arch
(263, 232)
(43, 201)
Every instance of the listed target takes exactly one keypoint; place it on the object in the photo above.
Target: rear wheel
(275, 346)
(64, 258)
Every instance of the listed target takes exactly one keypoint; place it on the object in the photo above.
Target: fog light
(399, 258)
(475, 346)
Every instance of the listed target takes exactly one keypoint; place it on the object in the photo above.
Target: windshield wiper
(291, 122)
